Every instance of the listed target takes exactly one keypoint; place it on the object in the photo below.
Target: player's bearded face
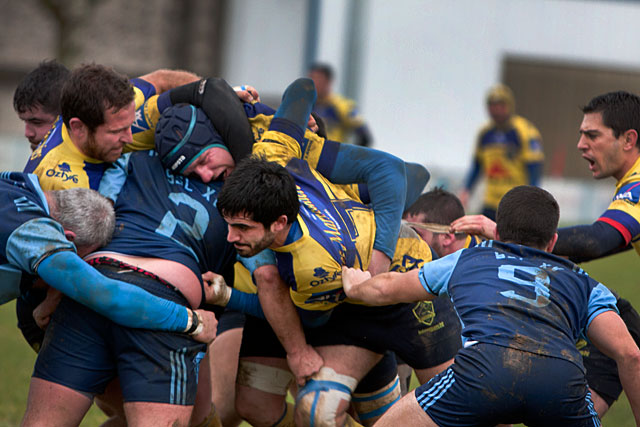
(107, 141)
(248, 237)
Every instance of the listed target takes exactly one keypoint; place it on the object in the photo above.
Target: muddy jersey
(519, 297)
(166, 216)
(27, 233)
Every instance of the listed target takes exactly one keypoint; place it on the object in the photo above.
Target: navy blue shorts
(400, 328)
(84, 351)
(490, 384)
(440, 329)
(230, 319)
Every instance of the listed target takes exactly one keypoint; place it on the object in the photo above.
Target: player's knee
(323, 401)
(262, 387)
(370, 406)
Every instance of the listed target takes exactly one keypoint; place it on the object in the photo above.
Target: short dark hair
(260, 189)
(91, 90)
(438, 206)
(527, 215)
(323, 68)
(620, 111)
(41, 88)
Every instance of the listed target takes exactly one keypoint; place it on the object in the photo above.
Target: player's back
(166, 216)
(519, 297)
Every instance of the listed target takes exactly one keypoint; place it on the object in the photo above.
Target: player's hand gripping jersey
(334, 227)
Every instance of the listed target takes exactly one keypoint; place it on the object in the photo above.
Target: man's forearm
(629, 374)
(279, 309)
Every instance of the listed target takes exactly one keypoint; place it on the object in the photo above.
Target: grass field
(621, 272)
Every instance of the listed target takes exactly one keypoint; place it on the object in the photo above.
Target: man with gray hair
(37, 235)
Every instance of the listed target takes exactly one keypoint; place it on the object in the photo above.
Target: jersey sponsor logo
(497, 171)
(139, 124)
(334, 296)
(408, 263)
(324, 277)
(627, 196)
(63, 173)
(424, 312)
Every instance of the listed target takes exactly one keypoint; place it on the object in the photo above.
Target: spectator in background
(508, 152)
(37, 99)
(340, 114)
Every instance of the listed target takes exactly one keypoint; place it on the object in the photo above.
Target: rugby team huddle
(235, 255)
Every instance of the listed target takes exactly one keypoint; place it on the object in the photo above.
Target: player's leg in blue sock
(297, 102)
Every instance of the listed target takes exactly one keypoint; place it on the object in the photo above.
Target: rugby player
(85, 138)
(609, 142)
(275, 195)
(522, 310)
(168, 234)
(41, 232)
(37, 99)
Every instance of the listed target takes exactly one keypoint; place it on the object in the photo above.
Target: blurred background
(418, 69)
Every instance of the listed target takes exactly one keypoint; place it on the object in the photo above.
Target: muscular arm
(384, 289)
(164, 79)
(121, 302)
(279, 310)
(611, 336)
(387, 183)
(586, 242)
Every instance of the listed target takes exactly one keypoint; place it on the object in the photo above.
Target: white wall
(428, 67)
(428, 63)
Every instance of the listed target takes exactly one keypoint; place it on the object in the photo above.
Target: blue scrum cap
(183, 133)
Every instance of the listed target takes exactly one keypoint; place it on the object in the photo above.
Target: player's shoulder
(522, 125)
(629, 190)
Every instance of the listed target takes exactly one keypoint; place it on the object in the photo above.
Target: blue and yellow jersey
(503, 155)
(472, 241)
(624, 211)
(61, 165)
(27, 233)
(242, 280)
(340, 115)
(334, 228)
(519, 297)
(319, 153)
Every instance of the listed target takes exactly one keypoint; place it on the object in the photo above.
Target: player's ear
(552, 243)
(279, 224)
(77, 127)
(70, 235)
(630, 139)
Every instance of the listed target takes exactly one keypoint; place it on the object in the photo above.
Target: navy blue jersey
(166, 216)
(27, 233)
(519, 297)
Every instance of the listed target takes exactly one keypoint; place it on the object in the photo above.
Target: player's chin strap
(321, 395)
